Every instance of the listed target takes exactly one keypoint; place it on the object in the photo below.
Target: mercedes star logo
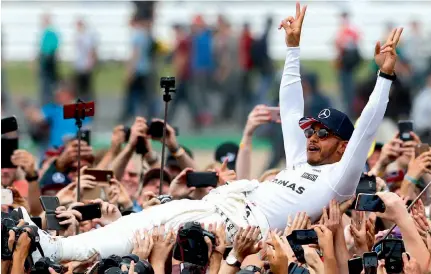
(324, 114)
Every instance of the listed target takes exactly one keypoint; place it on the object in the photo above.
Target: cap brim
(306, 122)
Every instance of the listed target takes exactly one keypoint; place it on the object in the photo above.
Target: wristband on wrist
(32, 178)
(412, 180)
(243, 145)
(179, 152)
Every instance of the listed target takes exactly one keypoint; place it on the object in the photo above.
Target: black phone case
(37, 221)
(86, 136)
(404, 128)
(304, 237)
(8, 146)
(49, 203)
(89, 212)
(53, 223)
(355, 265)
(9, 124)
(365, 204)
(202, 179)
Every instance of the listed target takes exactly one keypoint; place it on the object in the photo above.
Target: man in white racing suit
(325, 157)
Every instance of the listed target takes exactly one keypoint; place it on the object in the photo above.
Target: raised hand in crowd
(117, 139)
(70, 154)
(407, 150)
(178, 188)
(26, 161)
(258, 116)
(411, 266)
(22, 248)
(396, 212)
(277, 257)
(148, 199)
(184, 160)
(390, 152)
(301, 221)
(313, 260)
(246, 242)
(162, 247)
(118, 195)
(225, 174)
(79, 266)
(142, 244)
(359, 231)
(67, 194)
(385, 56)
(326, 244)
(417, 167)
(70, 220)
(110, 213)
(138, 129)
(421, 221)
(216, 251)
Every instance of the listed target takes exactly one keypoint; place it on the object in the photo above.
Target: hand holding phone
(294, 268)
(49, 205)
(355, 265)
(421, 148)
(404, 128)
(275, 114)
(202, 179)
(8, 146)
(370, 262)
(369, 202)
(89, 212)
(304, 237)
(9, 124)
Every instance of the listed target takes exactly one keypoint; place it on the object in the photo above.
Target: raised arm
(352, 163)
(291, 96)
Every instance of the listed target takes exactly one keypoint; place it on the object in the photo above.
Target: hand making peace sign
(293, 26)
(385, 56)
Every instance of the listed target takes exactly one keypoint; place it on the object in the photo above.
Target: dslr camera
(190, 246)
(42, 266)
(168, 83)
(113, 264)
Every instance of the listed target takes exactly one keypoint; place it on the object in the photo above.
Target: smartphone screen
(355, 265)
(202, 179)
(155, 129)
(297, 249)
(304, 237)
(49, 203)
(392, 250)
(404, 128)
(8, 146)
(6, 197)
(369, 202)
(9, 124)
(100, 175)
(370, 262)
(89, 212)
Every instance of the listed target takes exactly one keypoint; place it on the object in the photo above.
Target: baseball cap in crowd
(227, 151)
(55, 182)
(154, 173)
(172, 162)
(334, 120)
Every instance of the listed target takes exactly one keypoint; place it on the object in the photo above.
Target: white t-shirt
(85, 44)
(302, 187)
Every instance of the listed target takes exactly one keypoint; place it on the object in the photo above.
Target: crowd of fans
(400, 169)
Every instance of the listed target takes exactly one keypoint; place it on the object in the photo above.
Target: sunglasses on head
(322, 133)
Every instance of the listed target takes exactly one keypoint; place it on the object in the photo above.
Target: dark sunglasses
(322, 133)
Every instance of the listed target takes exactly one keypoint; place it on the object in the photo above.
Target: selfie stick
(168, 84)
(408, 209)
(79, 115)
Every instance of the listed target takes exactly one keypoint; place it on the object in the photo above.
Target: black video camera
(190, 246)
(113, 264)
(42, 266)
(168, 83)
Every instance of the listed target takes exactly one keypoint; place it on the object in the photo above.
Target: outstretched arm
(291, 96)
(351, 165)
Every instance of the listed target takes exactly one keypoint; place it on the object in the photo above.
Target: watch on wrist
(231, 260)
(32, 177)
(392, 77)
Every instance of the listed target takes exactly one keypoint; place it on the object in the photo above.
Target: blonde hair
(267, 173)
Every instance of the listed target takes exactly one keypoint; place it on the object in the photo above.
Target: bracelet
(412, 180)
(242, 145)
(32, 178)
(179, 152)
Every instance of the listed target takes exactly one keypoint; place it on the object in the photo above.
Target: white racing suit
(226, 204)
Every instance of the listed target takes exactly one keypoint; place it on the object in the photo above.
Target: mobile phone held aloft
(9, 124)
(89, 212)
(370, 262)
(202, 179)
(100, 175)
(369, 202)
(304, 237)
(49, 203)
(404, 128)
(355, 265)
(85, 136)
(6, 197)
(8, 146)
(275, 113)
(391, 251)
(79, 110)
(421, 148)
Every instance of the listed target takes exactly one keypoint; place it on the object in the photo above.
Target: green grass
(22, 79)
